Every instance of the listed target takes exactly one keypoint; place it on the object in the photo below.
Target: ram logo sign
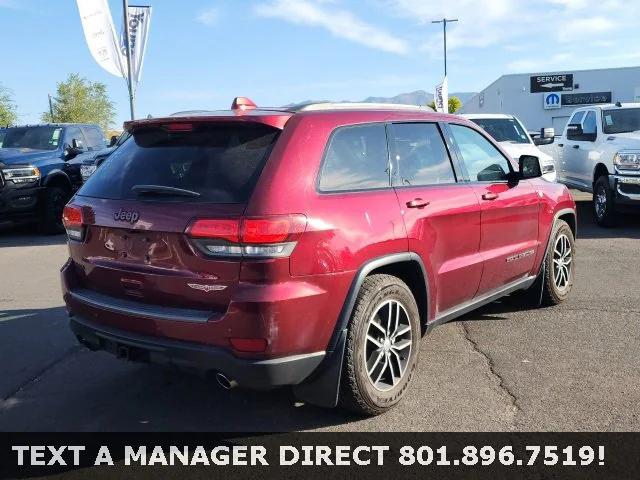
(552, 100)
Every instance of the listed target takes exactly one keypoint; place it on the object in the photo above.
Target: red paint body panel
(294, 302)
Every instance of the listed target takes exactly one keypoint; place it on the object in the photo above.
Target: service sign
(552, 83)
(586, 98)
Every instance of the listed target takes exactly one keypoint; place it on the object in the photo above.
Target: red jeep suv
(309, 247)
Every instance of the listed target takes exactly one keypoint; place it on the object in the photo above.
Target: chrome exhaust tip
(225, 382)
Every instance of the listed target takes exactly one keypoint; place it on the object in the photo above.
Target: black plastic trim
(258, 374)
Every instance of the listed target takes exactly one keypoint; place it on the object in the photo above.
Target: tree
(8, 115)
(79, 100)
(454, 104)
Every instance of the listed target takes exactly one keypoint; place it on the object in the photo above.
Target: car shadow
(28, 236)
(628, 224)
(51, 383)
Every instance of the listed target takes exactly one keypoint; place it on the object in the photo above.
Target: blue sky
(203, 53)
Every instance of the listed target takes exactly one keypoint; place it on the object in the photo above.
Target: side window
(74, 133)
(420, 154)
(356, 159)
(589, 127)
(483, 161)
(95, 139)
(576, 119)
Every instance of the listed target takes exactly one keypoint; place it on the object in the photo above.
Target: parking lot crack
(491, 372)
(38, 375)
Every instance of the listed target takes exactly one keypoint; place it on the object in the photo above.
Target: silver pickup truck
(599, 152)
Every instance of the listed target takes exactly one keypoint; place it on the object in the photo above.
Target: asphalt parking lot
(573, 367)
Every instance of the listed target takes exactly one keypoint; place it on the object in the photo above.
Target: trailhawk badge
(206, 288)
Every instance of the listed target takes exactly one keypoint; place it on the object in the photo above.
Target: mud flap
(322, 389)
(538, 285)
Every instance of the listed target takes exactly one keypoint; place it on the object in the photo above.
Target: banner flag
(441, 98)
(101, 35)
(139, 18)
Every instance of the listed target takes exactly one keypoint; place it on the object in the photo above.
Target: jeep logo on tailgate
(123, 215)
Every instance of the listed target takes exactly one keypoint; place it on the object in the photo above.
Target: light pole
(125, 6)
(444, 22)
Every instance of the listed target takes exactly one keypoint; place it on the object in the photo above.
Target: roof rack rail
(309, 107)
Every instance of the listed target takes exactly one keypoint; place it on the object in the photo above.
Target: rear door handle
(561, 144)
(417, 203)
(490, 196)
(576, 146)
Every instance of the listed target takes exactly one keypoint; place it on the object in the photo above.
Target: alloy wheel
(601, 202)
(562, 262)
(387, 345)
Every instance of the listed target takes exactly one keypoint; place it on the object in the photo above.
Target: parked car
(309, 247)
(90, 161)
(599, 152)
(38, 174)
(515, 140)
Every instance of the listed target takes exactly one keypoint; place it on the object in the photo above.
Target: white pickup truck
(509, 132)
(599, 152)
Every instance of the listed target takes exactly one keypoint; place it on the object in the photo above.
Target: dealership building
(547, 99)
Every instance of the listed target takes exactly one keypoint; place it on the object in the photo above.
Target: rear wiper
(163, 190)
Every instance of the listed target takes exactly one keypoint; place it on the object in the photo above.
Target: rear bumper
(257, 374)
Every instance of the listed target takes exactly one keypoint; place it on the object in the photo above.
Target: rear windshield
(219, 162)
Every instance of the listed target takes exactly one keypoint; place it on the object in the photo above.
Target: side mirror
(574, 131)
(69, 152)
(548, 132)
(529, 167)
(542, 141)
(77, 144)
(113, 140)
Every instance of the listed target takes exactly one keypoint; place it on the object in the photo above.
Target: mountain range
(419, 97)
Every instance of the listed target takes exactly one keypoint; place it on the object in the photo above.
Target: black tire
(378, 295)
(604, 208)
(53, 201)
(553, 290)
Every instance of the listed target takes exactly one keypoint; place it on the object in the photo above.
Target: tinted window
(420, 154)
(37, 138)
(483, 161)
(503, 129)
(356, 159)
(623, 120)
(220, 162)
(577, 118)
(74, 133)
(95, 138)
(589, 125)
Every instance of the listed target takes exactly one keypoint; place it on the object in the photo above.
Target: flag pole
(125, 6)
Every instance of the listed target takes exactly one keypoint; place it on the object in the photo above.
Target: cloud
(575, 29)
(510, 24)
(340, 23)
(208, 16)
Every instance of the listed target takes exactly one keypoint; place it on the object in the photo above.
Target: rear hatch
(134, 212)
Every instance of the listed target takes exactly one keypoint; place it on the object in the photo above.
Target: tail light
(72, 220)
(274, 236)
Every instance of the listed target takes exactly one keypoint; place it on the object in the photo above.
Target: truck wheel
(559, 267)
(53, 202)
(603, 203)
(382, 346)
